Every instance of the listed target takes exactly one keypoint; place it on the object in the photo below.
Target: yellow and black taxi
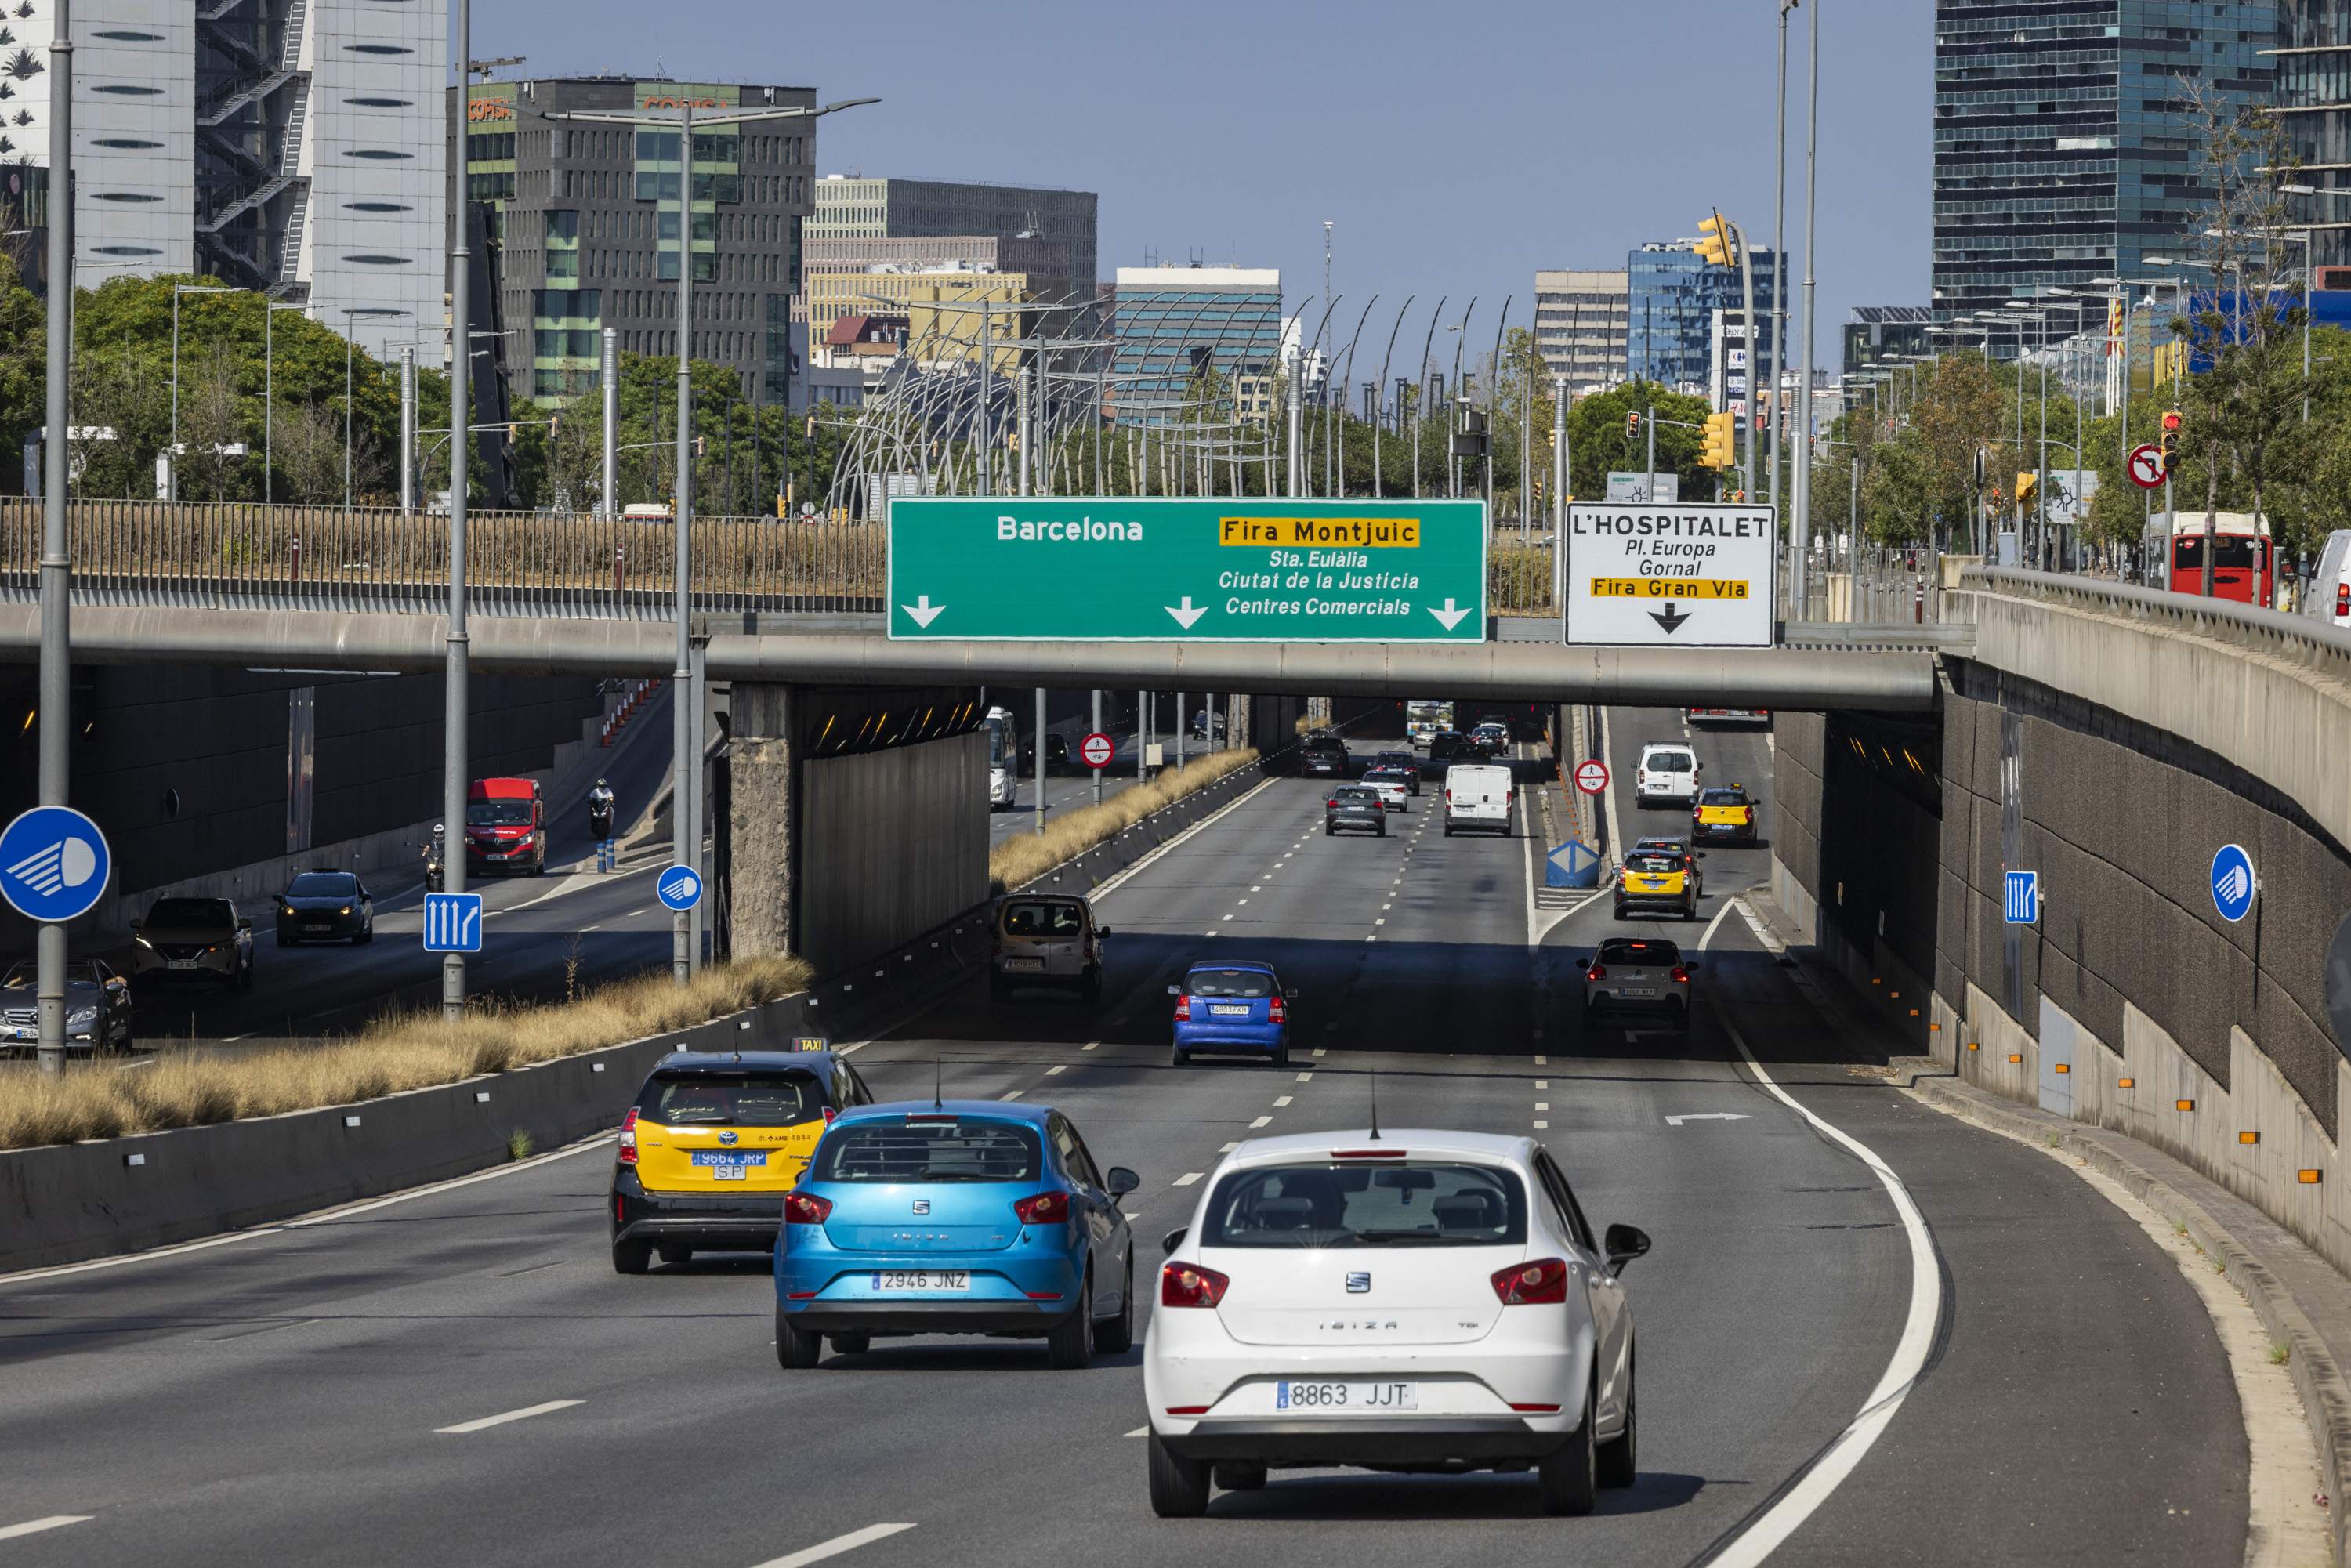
(712, 1145)
(1725, 815)
(1657, 882)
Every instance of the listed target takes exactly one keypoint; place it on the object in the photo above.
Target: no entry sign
(1095, 750)
(1592, 776)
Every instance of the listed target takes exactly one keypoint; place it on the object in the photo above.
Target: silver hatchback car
(1639, 974)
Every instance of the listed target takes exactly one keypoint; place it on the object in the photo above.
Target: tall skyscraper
(291, 146)
(2067, 145)
(1671, 299)
(2313, 102)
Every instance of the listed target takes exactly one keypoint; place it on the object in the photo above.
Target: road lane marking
(1542, 1127)
(35, 1526)
(524, 1413)
(1280, 1100)
(1380, 922)
(1318, 1050)
(1189, 1177)
(836, 1546)
(1227, 1149)
(1140, 1432)
(1013, 1095)
(1542, 1061)
(1055, 1071)
(1261, 1122)
(1307, 1077)
(1092, 1045)
(1542, 1105)
(1772, 1528)
(1542, 1082)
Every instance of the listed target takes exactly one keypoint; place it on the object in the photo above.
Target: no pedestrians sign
(1671, 574)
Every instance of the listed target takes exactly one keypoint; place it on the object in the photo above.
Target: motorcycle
(433, 858)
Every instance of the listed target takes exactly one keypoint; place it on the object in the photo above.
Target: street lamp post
(1780, 260)
(1803, 474)
(686, 812)
(55, 701)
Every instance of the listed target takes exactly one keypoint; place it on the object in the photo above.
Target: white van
(1478, 795)
(2328, 596)
(1667, 776)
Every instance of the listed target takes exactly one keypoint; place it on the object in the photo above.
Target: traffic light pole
(56, 700)
(1747, 316)
(455, 722)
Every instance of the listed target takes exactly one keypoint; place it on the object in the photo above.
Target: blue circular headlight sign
(54, 863)
(2232, 883)
(679, 888)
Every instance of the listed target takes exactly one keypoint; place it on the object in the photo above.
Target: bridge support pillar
(763, 858)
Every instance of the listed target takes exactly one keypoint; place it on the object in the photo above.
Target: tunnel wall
(892, 844)
(2131, 979)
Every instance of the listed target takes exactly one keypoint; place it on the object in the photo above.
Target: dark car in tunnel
(324, 906)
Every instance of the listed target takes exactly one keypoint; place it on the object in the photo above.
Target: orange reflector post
(2016, 1056)
(1973, 1045)
(2126, 1083)
(2248, 1138)
(2307, 1178)
(1914, 1012)
(2064, 1067)
(2184, 1105)
(1934, 1028)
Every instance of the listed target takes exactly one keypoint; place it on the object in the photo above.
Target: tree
(1597, 434)
(212, 421)
(309, 449)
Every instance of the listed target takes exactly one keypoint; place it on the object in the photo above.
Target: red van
(505, 827)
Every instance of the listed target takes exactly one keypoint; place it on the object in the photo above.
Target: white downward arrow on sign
(923, 610)
(1706, 1116)
(1447, 617)
(1185, 616)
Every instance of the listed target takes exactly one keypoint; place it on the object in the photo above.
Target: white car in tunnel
(1666, 775)
(1406, 1300)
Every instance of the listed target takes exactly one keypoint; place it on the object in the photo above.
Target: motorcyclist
(432, 859)
(599, 812)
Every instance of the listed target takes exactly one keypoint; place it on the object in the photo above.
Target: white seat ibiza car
(1408, 1300)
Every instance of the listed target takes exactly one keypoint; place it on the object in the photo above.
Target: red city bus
(2245, 561)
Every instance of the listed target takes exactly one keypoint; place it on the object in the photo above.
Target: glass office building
(2314, 100)
(1672, 296)
(1172, 324)
(2065, 147)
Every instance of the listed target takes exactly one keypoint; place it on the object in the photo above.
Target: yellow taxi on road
(712, 1145)
(1728, 815)
(1654, 882)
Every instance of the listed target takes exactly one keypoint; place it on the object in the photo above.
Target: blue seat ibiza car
(955, 1217)
(1237, 1008)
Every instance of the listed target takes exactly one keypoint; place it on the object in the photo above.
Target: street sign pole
(57, 556)
(1097, 730)
(454, 718)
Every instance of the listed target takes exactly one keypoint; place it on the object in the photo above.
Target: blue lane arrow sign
(680, 888)
(2233, 881)
(453, 923)
(1572, 865)
(54, 863)
(2024, 898)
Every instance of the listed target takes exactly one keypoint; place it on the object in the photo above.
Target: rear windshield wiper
(1386, 1236)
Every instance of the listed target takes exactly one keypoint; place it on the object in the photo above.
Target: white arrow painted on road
(1447, 617)
(1706, 1116)
(1185, 616)
(923, 610)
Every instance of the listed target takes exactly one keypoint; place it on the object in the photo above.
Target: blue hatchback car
(1236, 1008)
(961, 1217)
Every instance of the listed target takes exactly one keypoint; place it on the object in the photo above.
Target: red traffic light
(2170, 420)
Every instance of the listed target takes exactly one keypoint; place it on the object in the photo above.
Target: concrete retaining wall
(891, 842)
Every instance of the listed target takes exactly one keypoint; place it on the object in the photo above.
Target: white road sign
(1666, 575)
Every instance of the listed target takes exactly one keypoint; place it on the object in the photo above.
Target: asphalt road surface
(319, 1393)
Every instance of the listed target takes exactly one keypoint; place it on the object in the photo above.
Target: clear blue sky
(1457, 147)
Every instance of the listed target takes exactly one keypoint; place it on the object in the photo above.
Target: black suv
(1326, 759)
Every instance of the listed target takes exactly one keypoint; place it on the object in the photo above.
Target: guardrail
(2293, 638)
(235, 555)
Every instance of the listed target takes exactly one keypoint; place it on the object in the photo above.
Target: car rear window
(760, 1099)
(192, 912)
(323, 884)
(1356, 793)
(1653, 863)
(1416, 1203)
(1652, 952)
(1040, 917)
(951, 1148)
(1667, 762)
(1228, 983)
(1722, 797)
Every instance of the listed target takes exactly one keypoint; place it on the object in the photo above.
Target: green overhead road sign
(1177, 570)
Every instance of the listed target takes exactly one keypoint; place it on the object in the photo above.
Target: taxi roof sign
(812, 1042)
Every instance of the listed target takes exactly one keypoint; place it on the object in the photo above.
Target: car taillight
(829, 1114)
(1597, 972)
(1189, 1285)
(1183, 1009)
(805, 1209)
(629, 1138)
(1044, 1208)
(1333, 801)
(1681, 976)
(2343, 598)
(1275, 1011)
(1537, 1284)
(1448, 796)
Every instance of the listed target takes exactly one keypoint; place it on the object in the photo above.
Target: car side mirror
(136, 924)
(1175, 1239)
(1104, 931)
(1174, 990)
(244, 924)
(1691, 966)
(1624, 1243)
(1122, 1181)
(116, 983)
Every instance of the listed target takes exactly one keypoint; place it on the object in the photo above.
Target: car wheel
(1240, 1477)
(1566, 1473)
(1384, 830)
(1329, 832)
(632, 1256)
(1281, 1054)
(1619, 911)
(284, 940)
(676, 1254)
(795, 1349)
(1618, 1461)
(1093, 986)
(1179, 1487)
(1116, 1337)
(244, 976)
(852, 1344)
(1681, 1018)
(1179, 1057)
(1070, 1344)
(1449, 830)
(367, 933)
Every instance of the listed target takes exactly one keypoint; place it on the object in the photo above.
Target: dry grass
(1025, 858)
(396, 1052)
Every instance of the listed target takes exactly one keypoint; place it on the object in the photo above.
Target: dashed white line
(1318, 1050)
(1228, 916)
(1261, 1122)
(1091, 1045)
(836, 1546)
(1055, 1071)
(1542, 1061)
(1280, 1100)
(1140, 1432)
(1542, 1127)
(1380, 922)
(1307, 1077)
(1189, 1177)
(1542, 1082)
(35, 1526)
(524, 1413)
(1542, 1105)
(1227, 1149)
(1013, 1095)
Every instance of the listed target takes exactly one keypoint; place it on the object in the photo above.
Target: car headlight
(82, 1019)
(345, 909)
(143, 942)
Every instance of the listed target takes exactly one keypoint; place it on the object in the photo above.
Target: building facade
(1048, 233)
(1672, 295)
(587, 220)
(1171, 324)
(291, 146)
(2314, 100)
(1886, 331)
(2066, 148)
(927, 298)
(1579, 319)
